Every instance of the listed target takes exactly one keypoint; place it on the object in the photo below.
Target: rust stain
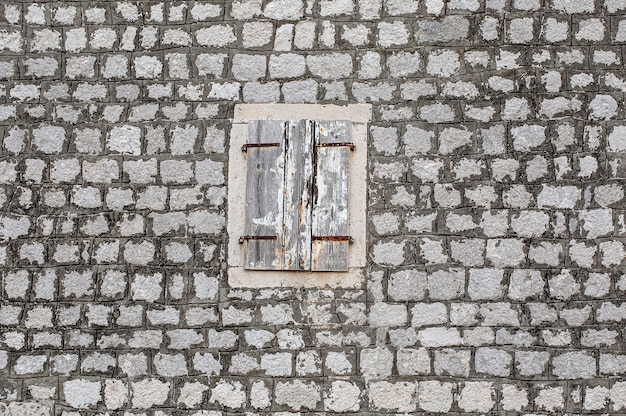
(300, 212)
(315, 255)
(277, 263)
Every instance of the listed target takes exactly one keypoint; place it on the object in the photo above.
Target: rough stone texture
(496, 273)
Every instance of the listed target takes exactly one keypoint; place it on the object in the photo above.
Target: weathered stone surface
(573, 365)
(444, 31)
(495, 244)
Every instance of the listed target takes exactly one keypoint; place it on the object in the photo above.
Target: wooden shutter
(298, 187)
(297, 195)
(330, 198)
(264, 195)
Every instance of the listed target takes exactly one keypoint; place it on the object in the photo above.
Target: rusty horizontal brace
(245, 147)
(256, 237)
(342, 144)
(333, 238)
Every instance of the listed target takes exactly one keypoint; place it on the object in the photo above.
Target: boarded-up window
(297, 195)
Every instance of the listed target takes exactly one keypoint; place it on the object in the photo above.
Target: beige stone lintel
(357, 113)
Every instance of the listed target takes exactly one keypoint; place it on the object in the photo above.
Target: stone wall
(496, 280)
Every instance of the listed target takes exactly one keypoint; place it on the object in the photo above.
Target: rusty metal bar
(245, 147)
(342, 144)
(333, 238)
(256, 237)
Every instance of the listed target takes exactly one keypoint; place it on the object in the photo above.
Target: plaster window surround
(358, 115)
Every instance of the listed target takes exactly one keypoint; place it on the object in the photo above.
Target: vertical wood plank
(330, 200)
(264, 195)
(298, 188)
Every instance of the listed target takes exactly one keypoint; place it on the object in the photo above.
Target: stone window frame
(359, 115)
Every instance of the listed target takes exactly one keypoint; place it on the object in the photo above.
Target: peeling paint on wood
(297, 190)
(264, 195)
(330, 201)
(298, 184)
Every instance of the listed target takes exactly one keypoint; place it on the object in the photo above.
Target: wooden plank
(330, 196)
(298, 188)
(265, 195)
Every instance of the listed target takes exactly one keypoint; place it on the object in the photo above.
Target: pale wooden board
(330, 201)
(298, 187)
(264, 195)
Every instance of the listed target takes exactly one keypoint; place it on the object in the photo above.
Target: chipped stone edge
(360, 115)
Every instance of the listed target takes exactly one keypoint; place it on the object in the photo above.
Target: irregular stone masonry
(496, 280)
